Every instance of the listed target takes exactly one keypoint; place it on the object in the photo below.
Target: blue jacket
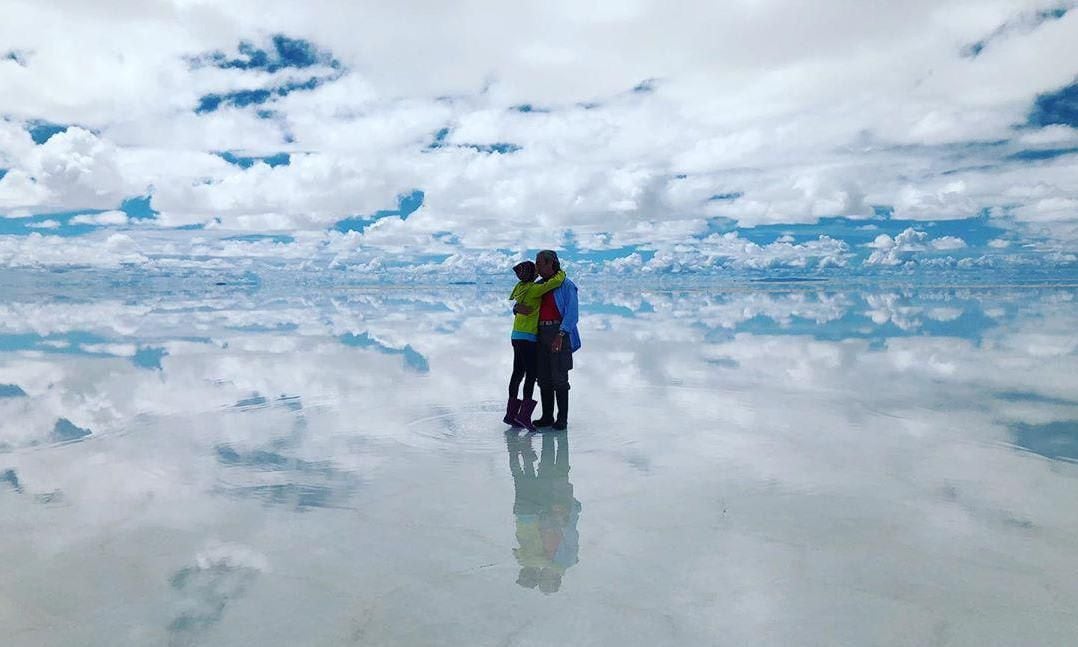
(565, 298)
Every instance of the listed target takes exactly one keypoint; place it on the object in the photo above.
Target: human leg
(561, 364)
(520, 370)
(544, 375)
(526, 352)
(520, 366)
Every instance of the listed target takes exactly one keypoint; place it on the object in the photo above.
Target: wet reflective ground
(794, 466)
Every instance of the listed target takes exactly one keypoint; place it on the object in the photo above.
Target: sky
(423, 139)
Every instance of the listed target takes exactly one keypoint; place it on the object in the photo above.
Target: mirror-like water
(777, 467)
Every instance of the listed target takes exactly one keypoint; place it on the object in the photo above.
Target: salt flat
(796, 465)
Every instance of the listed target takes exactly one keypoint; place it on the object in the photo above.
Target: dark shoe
(511, 412)
(524, 416)
(563, 410)
(547, 396)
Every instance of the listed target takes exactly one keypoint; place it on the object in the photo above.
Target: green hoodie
(530, 294)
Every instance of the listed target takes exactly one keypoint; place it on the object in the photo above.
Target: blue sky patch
(245, 98)
(32, 224)
(407, 204)
(138, 208)
(501, 148)
(1059, 107)
(237, 99)
(277, 159)
(41, 131)
(439, 139)
(283, 53)
(1042, 154)
(59, 223)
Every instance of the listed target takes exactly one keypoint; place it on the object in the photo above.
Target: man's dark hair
(551, 255)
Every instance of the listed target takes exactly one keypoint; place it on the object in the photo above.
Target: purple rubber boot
(524, 416)
(511, 410)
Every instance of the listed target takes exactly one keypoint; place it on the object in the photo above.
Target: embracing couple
(544, 340)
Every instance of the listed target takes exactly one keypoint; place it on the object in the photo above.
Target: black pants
(524, 365)
(553, 368)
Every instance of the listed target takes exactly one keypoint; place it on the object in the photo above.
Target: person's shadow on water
(546, 511)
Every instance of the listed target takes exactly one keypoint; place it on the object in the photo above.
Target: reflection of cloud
(11, 391)
(1052, 440)
(219, 575)
(12, 479)
(227, 360)
(884, 308)
(67, 430)
(292, 482)
(412, 359)
(944, 314)
(787, 415)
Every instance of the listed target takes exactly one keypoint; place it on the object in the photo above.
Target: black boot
(563, 409)
(546, 395)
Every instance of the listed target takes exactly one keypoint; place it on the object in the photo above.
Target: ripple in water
(470, 427)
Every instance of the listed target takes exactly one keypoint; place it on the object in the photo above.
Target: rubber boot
(511, 412)
(524, 416)
(547, 396)
(563, 409)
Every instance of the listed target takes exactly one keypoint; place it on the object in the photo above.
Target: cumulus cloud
(947, 242)
(892, 251)
(105, 218)
(903, 247)
(633, 126)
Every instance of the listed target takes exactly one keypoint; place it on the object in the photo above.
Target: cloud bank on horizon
(637, 136)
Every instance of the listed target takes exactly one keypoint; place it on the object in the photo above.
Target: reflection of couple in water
(545, 509)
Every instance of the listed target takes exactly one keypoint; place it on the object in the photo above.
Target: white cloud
(892, 251)
(947, 243)
(904, 247)
(104, 218)
(781, 108)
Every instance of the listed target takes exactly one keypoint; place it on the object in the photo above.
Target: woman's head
(525, 270)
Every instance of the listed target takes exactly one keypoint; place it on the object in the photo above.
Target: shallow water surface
(796, 465)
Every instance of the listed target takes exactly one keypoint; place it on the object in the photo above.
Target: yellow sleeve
(536, 290)
(519, 291)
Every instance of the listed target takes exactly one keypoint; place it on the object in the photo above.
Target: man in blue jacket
(558, 340)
